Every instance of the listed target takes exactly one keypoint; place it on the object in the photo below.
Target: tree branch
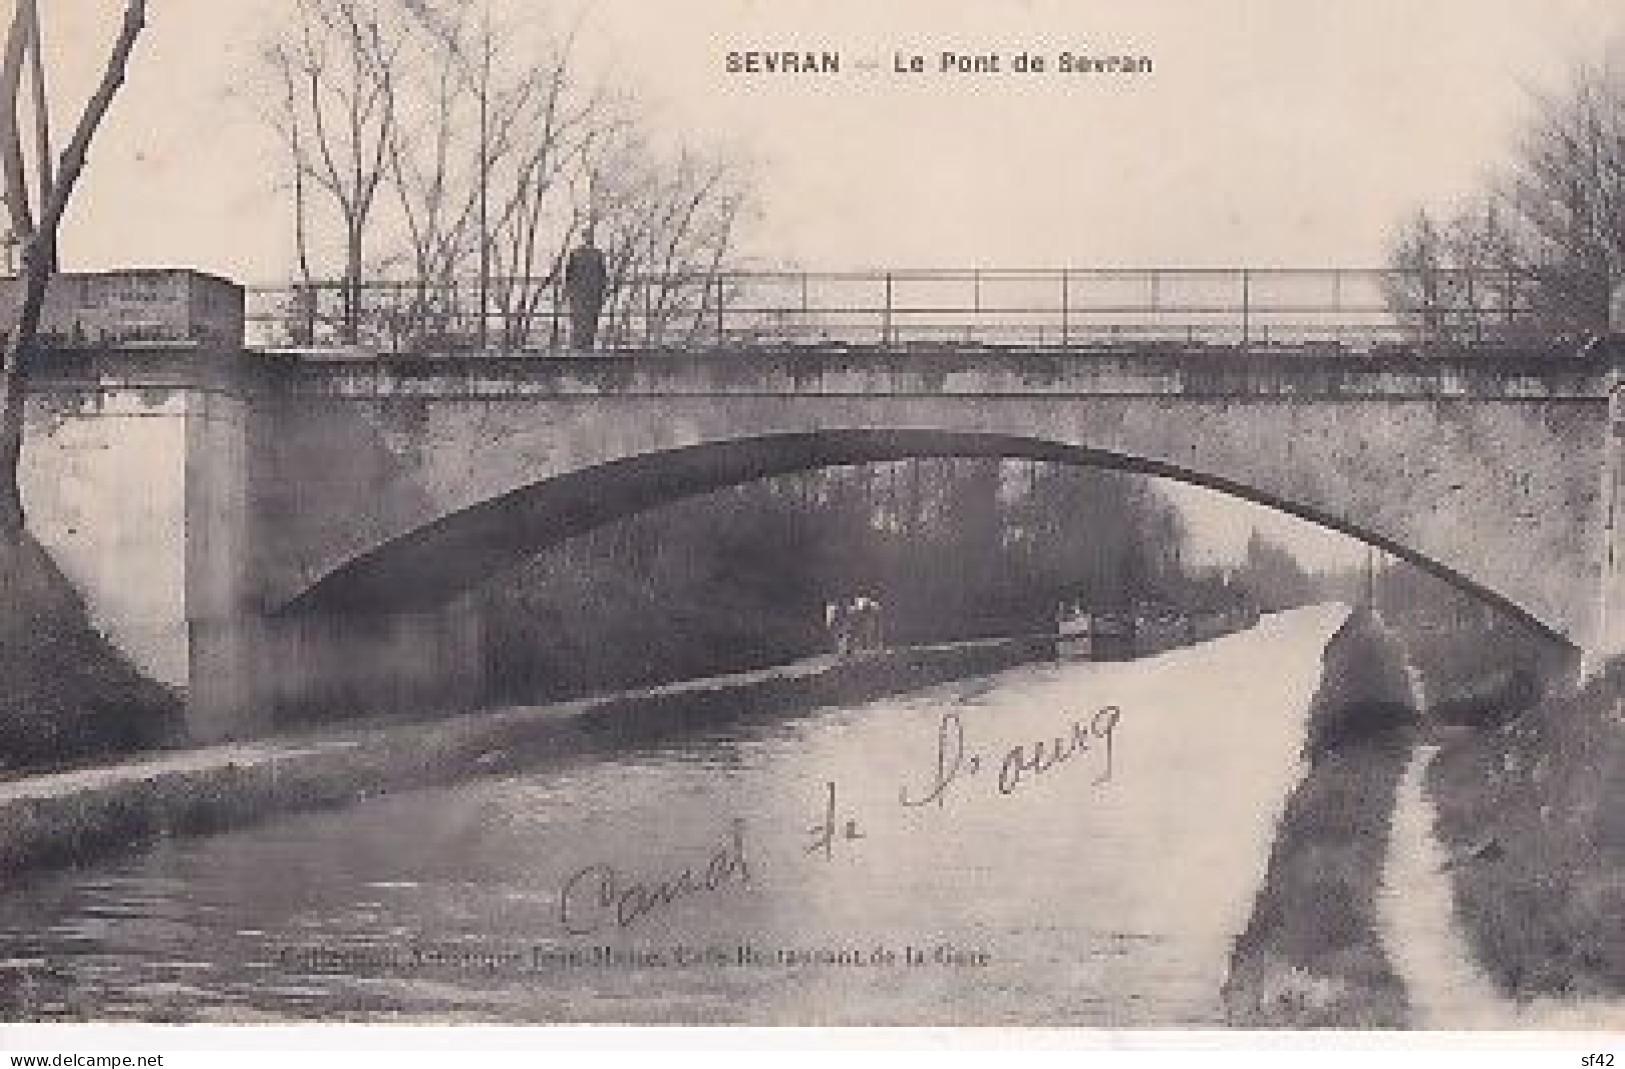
(17, 194)
(113, 76)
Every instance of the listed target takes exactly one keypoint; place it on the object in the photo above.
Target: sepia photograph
(1000, 514)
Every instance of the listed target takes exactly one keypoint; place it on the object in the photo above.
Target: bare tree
(671, 223)
(1568, 190)
(498, 153)
(286, 120)
(1463, 279)
(1541, 248)
(484, 126)
(541, 213)
(537, 118)
(437, 209)
(37, 207)
(336, 66)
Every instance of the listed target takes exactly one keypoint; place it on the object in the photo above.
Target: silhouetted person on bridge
(585, 278)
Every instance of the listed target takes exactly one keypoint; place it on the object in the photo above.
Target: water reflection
(1064, 902)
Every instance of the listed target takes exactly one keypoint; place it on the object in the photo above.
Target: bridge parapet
(1055, 307)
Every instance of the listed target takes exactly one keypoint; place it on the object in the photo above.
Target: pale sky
(1271, 132)
(1281, 132)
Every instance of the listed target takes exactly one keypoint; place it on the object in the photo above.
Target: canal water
(1071, 844)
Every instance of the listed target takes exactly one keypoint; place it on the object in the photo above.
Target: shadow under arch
(427, 567)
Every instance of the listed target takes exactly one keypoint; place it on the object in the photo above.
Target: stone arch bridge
(245, 523)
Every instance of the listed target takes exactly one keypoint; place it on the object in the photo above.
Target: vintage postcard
(1087, 515)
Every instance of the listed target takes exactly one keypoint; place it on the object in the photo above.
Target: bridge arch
(426, 567)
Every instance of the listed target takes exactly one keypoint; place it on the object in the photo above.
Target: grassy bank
(1526, 787)
(1532, 812)
(65, 692)
(1311, 955)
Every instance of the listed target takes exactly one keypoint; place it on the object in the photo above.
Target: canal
(1071, 844)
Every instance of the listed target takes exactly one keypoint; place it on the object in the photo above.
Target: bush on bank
(1364, 690)
(1475, 675)
(65, 692)
(1533, 812)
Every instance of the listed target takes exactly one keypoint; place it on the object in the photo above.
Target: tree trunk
(353, 256)
(40, 237)
(36, 277)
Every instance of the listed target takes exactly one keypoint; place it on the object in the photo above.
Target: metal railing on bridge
(1347, 308)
